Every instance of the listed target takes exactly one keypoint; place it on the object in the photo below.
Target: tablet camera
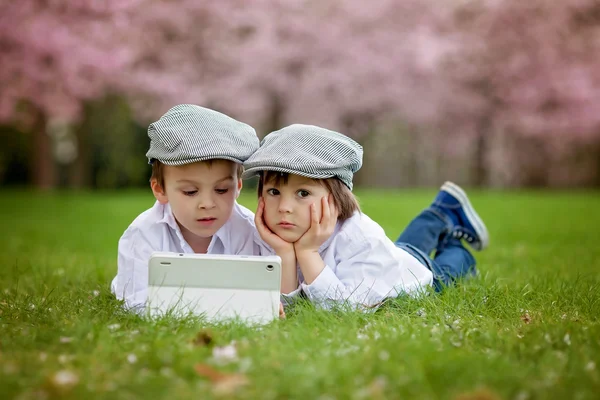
(270, 268)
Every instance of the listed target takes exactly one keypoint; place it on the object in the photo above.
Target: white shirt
(156, 230)
(362, 268)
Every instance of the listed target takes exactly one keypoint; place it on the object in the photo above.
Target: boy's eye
(303, 193)
(273, 192)
(221, 191)
(189, 192)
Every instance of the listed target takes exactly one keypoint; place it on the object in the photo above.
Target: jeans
(429, 231)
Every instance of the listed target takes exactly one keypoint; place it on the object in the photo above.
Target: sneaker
(467, 225)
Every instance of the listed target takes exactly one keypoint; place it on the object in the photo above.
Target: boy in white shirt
(196, 156)
(309, 216)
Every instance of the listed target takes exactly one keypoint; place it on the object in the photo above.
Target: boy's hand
(320, 229)
(281, 312)
(280, 246)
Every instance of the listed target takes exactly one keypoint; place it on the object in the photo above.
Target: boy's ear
(159, 192)
(239, 187)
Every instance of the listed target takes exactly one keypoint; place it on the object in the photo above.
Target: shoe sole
(472, 215)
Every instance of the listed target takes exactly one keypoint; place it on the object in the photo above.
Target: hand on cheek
(285, 250)
(280, 246)
(322, 224)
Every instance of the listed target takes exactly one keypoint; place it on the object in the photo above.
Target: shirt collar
(168, 217)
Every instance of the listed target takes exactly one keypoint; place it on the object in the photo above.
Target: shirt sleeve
(370, 271)
(290, 298)
(131, 282)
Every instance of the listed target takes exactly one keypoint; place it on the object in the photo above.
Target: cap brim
(250, 172)
(176, 163)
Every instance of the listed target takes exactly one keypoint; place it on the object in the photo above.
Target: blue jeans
(429, 231)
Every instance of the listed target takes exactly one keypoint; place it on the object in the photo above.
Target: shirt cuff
(291, 297)
(324, 286)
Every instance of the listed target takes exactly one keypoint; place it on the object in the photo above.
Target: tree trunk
(275, 117)
(412, 172)
(43, 167)
(596, 181)
(481, 170)
(80, 171)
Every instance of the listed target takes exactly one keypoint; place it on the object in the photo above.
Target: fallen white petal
(225, 354)
(65, 378)
(590, 366)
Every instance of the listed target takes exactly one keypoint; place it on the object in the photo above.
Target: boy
(309, 216)
(196, 156)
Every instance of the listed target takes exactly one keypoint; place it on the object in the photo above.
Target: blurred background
(489, 93)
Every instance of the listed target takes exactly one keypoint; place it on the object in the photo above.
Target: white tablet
(218, 287)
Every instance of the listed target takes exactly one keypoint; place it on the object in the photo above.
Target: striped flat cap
(188, 133)
(309, 151)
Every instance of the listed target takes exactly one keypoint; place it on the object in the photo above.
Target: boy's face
(201, 195)
(287, 205)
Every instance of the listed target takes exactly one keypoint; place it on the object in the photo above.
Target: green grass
(527, 328)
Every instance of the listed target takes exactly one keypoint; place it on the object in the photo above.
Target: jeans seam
(443, 217)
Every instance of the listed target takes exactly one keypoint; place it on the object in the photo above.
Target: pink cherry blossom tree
(54, 56)
(341, 64)
(520, 70)
(463, 69)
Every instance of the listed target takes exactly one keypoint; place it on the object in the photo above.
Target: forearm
(289, 275)
(311, 265)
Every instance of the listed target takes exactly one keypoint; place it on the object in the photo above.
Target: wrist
(300, 249)
(311, 264)
(286, 254)
(306, 254)
(282, 248)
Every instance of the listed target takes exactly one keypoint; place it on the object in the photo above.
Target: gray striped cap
(188, 133)
(309, 151)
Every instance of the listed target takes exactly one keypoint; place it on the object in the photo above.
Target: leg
(451, 212)
(425, 230)
(453, 261)
(449, 219)
(467, 225)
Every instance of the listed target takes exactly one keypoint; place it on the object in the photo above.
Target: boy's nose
(206, 202)
(285, 206)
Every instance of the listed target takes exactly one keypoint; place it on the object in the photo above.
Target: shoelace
(458, 234)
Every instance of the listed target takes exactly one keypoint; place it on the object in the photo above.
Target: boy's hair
(158, 171)
(343, 198)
